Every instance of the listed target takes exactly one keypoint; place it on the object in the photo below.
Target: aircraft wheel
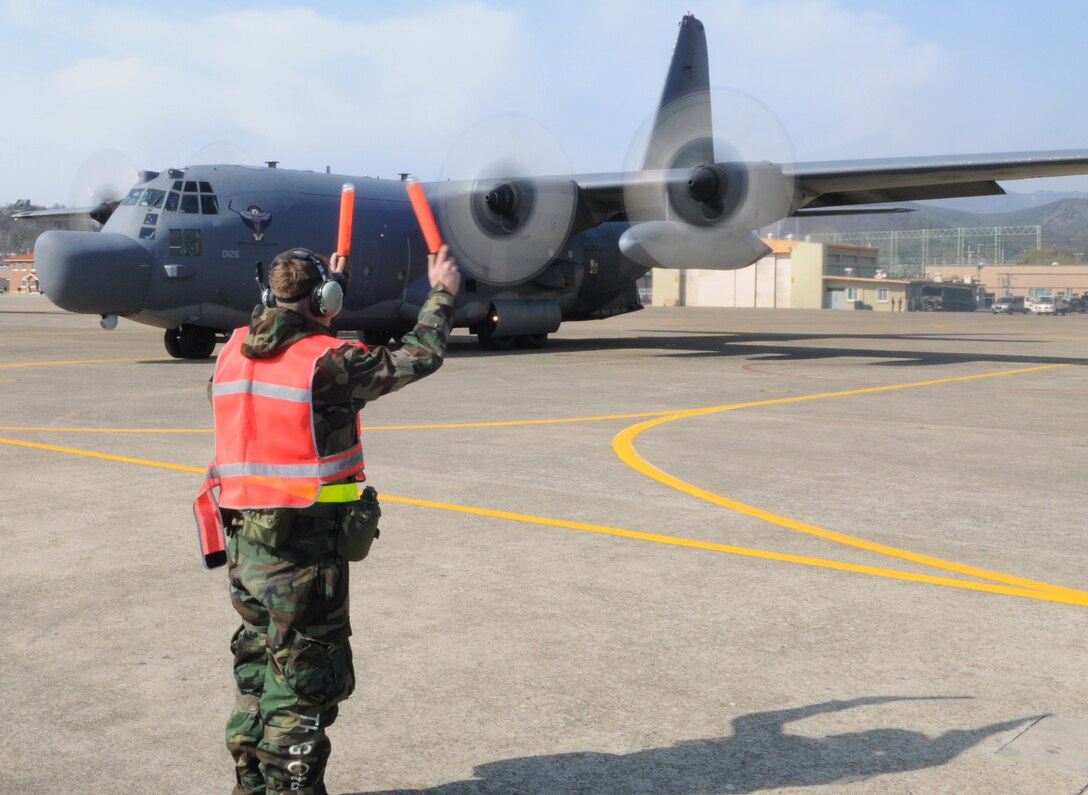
(172, 340)
(197, 342)
(531, 340)
(493, 342)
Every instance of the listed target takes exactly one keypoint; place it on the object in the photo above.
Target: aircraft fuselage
(181, 249)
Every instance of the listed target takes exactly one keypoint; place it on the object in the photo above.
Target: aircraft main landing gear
(531, 340)
(490, 341)
(189, 342)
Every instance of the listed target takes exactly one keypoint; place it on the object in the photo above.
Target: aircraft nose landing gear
(189, 342)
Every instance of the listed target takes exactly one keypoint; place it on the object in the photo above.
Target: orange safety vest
(266, 452)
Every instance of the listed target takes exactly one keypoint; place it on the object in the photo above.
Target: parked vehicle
(1010, 305)
(1050, 305)
(943, 298)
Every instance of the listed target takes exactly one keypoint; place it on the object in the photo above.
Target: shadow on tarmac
(773, 347)
(758, 756)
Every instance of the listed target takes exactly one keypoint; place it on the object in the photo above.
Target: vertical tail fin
(683, 131)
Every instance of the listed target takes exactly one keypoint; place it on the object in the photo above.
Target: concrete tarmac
(683, 551)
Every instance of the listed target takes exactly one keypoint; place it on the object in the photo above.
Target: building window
(853, 294)
(882, 295)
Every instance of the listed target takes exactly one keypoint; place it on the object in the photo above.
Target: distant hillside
(1064, 223)
(17, 237)
(1007, 203)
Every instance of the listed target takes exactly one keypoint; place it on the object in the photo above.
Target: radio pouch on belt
(358, 525)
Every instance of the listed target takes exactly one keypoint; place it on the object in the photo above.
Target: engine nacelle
(703, 216)
(670, 244)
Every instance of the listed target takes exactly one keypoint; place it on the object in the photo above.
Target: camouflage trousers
(292, 658)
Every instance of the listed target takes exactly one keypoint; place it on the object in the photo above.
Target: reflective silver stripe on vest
(261, 389)
(324, 469)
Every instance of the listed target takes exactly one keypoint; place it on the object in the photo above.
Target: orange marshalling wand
(347, 209)
(424, 215)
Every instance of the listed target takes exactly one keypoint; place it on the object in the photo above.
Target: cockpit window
(152, 198)
(193, 197)
(133, 197)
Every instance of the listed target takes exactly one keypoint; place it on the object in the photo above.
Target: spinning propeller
(699, 180)
(504, 220)
(709, 178)
(100, 184)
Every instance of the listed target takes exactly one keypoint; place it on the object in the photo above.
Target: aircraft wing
(99, 212)
(850, 182)
(61, 214)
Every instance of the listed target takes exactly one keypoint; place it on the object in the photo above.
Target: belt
(339, 492)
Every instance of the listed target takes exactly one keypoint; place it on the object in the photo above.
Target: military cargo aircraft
(179, 250)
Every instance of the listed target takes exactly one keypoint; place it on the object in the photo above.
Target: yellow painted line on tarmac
(507, 423)
(43, 428)
(1073, 597)
(105, 456)
(437, 426)
(623, 445)
(84, 361)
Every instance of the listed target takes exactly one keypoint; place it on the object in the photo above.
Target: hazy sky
(375, 88)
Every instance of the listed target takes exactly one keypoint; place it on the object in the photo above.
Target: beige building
(1026, 280)
(796, 274)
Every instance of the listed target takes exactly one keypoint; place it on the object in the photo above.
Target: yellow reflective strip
(339, 492)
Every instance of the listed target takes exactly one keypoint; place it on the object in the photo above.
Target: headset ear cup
(327, 299)
(268, 298)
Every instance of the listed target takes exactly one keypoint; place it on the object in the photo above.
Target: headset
(326, 297)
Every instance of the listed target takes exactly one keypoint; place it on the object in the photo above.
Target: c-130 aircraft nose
(92, 272)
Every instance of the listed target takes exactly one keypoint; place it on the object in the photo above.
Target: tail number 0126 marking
(232, 253)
